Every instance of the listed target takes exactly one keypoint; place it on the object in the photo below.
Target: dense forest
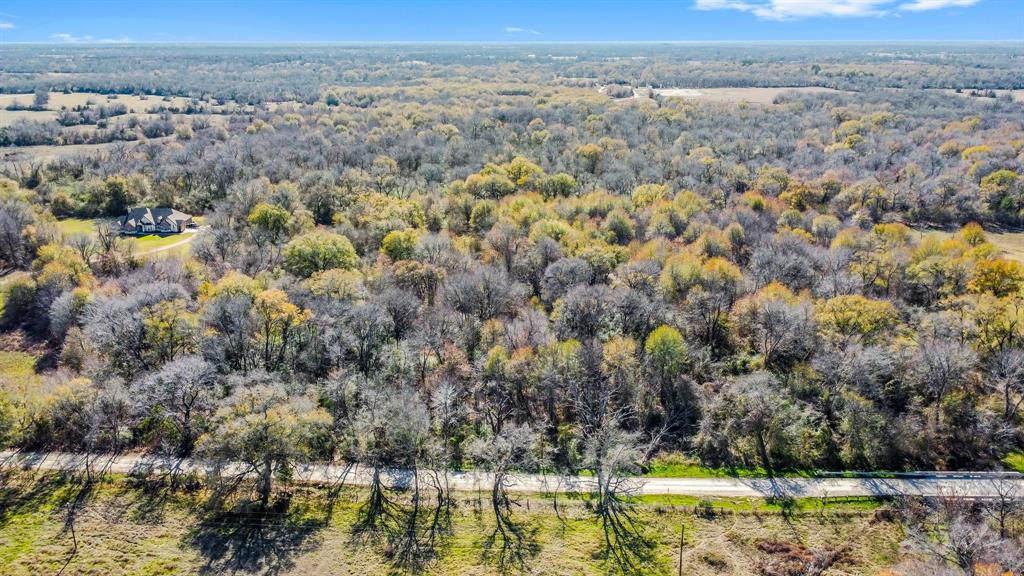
(451, 258)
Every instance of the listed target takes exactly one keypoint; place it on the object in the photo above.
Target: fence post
(682, 542)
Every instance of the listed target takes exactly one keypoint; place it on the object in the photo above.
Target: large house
(154, 220)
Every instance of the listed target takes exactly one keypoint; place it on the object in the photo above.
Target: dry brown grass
(49, 153)
(8, 117)
(60, 100)
(1016, 95)
(1010, 244)
(139, 108)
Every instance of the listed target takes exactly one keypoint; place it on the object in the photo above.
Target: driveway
(189, 235)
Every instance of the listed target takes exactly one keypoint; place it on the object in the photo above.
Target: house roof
(153, 217)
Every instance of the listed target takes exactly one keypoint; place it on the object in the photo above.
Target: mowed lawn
(72, 226)
(154, 241)
(141, 244)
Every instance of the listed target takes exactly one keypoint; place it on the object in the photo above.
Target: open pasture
(134, 103)
(49, 153)
(751, 95)
(1010, 244)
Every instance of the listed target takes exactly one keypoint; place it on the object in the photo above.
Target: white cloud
(65, 37)
(793, 9)
(518, 30)
(6, 26)
(921, 5)
(72, 39)
(796, 9)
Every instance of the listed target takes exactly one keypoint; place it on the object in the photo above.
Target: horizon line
(502, 42)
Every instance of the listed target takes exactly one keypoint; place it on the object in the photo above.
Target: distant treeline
(253, 74)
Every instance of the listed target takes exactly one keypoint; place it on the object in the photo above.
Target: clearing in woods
(752, 95)
(144, 245)
(70, 101)
(1010, 244)
(49, 153)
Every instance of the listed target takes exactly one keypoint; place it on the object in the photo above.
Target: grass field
(8, 117)
(141, 244)
(139, 108)
(1010, 244)
(18, 379)
(126, 527)
(71, 226)
(752, 95)
(153, 241)
(679, 466)
(154, 246)
(49, 153)
(1015, 95)
(60, 100)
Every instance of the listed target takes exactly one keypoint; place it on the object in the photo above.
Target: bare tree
(942, 365)
(391, 436)
(1006, 503)
(110, 415)
(614, 455)
(181, 392)
(84, 245)
(949, 531)
(1006, 375)
(514, 448)
(369, 327)
(447, 402)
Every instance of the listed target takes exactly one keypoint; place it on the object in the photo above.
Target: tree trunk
(187, 442)
(266, 482)
(663, 395)
(762, 449)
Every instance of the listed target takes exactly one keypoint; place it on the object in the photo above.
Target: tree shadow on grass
(411, 520)
(82, 487)
(247, 539)
(511, 546)
(19, 496)
(148, 491)
(626, 546)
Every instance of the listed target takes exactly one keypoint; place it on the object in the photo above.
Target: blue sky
(507, 21)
